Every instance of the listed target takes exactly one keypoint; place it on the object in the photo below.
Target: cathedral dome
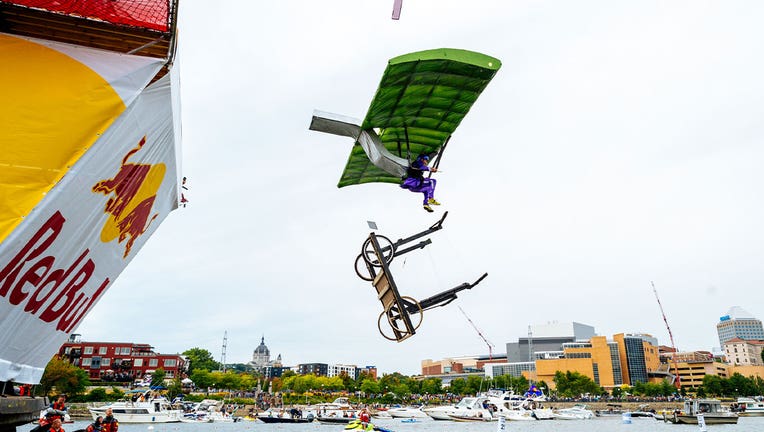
(262, 349)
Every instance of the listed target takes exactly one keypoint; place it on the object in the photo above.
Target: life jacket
(109, 424)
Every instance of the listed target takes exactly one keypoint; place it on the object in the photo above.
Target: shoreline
(79, 410)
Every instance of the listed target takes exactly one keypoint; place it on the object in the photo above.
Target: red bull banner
(88, 170)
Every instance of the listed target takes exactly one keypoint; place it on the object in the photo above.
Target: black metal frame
(398, 309)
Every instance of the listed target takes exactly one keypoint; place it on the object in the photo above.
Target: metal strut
(398, 309)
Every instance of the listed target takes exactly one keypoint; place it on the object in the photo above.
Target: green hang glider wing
(424, 95)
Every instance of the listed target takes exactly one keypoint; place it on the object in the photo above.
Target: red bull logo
(133, 192)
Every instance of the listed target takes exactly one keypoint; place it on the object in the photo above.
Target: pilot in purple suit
(416, 182)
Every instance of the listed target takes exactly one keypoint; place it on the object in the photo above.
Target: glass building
(739, 324)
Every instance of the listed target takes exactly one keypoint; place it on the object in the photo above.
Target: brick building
(119, 361)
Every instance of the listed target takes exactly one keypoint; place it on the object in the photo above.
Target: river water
(601, 424)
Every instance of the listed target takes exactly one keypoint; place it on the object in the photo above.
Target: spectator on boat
(109, 423)
(365, 418)
(95, 426)
(59, 408)
(55, 426)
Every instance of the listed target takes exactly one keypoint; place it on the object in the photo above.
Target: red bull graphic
(32, 279)
(133, 190)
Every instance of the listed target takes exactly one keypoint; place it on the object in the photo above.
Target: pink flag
(397, 4)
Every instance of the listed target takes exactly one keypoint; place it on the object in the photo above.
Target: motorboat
(643, 411)
(520, 415)
(407, 412)
(576, 412)
(466, 407)
(193, 417)
(614, 410)
(286, 419)
(381, 414)
(340, 407)
(710, 409)
(335, 420)
(210, 410)
(154, 409)
(529, 410)
(471, 417)
(748, 407)
(292, 415)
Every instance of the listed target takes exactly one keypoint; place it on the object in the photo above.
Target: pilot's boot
(428, 208)
(432, 201)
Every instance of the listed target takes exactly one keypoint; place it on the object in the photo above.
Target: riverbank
(80, 410)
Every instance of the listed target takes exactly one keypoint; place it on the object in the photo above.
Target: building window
(106, 361)
(86, 361)
(153, 362)
(138, 362)
(170, 363)
(88, 350)
(102, 350)
(124, 350)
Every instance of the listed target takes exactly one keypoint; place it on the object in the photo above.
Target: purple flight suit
(416, 182)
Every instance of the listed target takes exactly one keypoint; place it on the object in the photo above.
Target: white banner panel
(66, 253)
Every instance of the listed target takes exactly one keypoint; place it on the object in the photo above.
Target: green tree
(740, 385)
(97, 395)
(574, 384)
(157, 378)
(457, 386)
(432, 386)
(248, 382)
(500, 382)
(616, 392)
(65, 377)
(401, 390)
(175, 388)
(202, 379)
(228, 381)
(369, 386)
(474, 384)
(200, 358)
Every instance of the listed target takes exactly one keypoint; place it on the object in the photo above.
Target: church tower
(262, 355)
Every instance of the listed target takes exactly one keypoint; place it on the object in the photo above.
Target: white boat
(210, 410)
(407, 412)
(381, 414)
(340, 408)
(466, 407)
(748, 407)
(520, 415)
(193, 417)
(156, 410)
(529, 410)
(471, 417)
(576, 412)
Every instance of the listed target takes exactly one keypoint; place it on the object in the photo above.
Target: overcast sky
(620, 143)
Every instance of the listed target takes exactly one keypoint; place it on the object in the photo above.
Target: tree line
(205, 373)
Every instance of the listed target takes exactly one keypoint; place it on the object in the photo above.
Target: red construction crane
(677, 382)
(490, 345)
